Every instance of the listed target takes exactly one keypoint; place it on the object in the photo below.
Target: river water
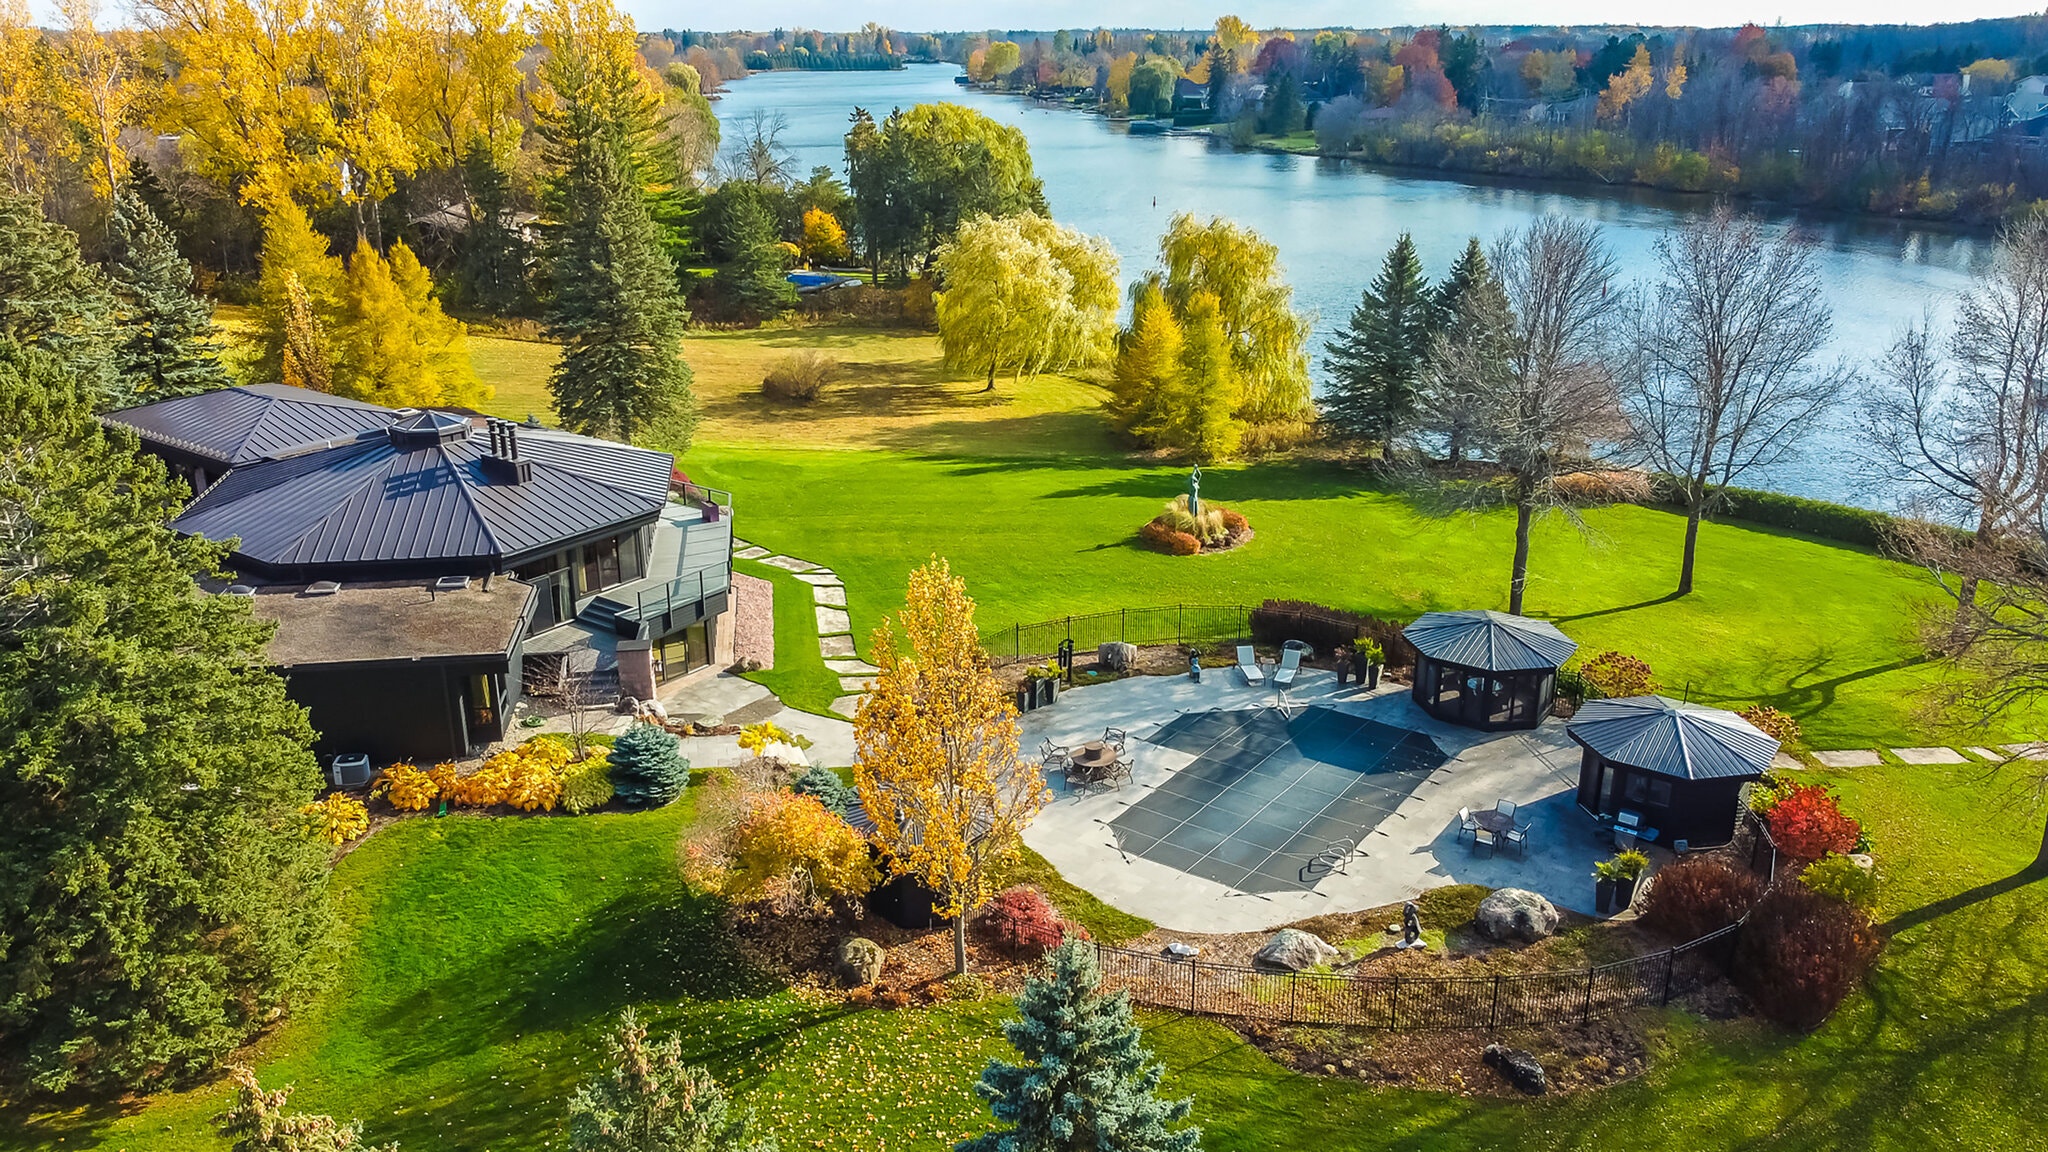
(1333, 221)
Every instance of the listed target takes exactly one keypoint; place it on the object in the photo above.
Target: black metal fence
(1182, 625)
(1416, 1002)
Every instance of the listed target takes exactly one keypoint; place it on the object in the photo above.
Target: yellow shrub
(337, 819)
(406, 788)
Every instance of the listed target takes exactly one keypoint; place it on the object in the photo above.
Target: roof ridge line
(314, 525)
(469, 501)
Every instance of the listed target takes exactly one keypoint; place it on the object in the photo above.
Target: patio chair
(1466, 824)
(1290, 663)
(1054, 756)
(1115, 737)
(1118, 773)
(1482, 836)
(1519, 837)
(1248, 664)
(1505, 808)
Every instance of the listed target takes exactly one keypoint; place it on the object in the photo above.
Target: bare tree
(1544, 396)
(1720, 376)
(1962, 439)
(757, 154)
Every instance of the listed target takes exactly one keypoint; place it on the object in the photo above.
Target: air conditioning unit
(350, 770)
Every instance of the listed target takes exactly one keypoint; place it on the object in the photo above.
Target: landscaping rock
(860, 961)
(1296, 951)
(1519, 1068)
(1516, 914)
(1116, 655)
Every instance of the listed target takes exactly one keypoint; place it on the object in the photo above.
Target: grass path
(799, 678)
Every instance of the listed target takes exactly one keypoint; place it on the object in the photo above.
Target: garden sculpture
(1195, 492)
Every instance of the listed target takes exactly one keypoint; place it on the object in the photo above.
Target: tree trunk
(991, 379)
(2041, 860)
(1692, 547)
(1966, 603)
(1524, 513)
(960, 945)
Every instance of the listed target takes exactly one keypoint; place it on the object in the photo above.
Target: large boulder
(1518, 1068)
(1293, 950)
(1516, 914)
(1116, 655)
(860, 961)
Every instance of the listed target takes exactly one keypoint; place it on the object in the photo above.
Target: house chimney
(503, 465)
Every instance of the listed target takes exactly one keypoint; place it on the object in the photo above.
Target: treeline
(1897, 120)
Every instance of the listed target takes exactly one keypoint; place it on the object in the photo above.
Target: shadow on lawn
(1933, 910)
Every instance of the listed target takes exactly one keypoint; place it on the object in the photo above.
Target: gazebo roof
(1661, 735)
(1490, 641)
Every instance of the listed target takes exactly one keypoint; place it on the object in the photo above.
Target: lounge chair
(1466, 824)
(1290, 663)
(1248, 664)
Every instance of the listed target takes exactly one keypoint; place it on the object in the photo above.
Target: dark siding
(389, 713)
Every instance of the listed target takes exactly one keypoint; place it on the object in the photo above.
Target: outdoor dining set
(1494, 827)
(1096, 762)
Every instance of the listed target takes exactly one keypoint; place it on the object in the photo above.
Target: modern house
(424, 566)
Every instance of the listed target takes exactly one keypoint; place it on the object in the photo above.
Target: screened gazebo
(1487, 670)
(1668, 768)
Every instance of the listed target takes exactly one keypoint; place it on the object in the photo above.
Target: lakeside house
(424, 567)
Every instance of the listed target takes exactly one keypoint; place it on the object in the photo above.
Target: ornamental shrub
(337, 819)
(1772, 723)
(587, 785)
(1841, 878)
(647, 769)
(1234, 522)
(793, 850)
(1613, 675)
(1801, 953)
(827, 788)
(1698, 895)
(1766, 791)
(800, 377)
(1168, 540)
(1021, 923)
(405, 788)
(1807, 823)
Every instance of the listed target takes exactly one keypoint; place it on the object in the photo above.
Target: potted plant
(1628, 868)
(1371, 658)
(1606, 878)
(1041, 682)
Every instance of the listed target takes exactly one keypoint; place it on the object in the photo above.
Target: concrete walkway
(1415, 849)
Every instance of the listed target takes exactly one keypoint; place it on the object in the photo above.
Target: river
(1333, 221)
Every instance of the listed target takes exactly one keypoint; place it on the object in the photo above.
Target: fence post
(1670, 966)
(1394, 1004)
(1180, 625)
(1192, 997)
(1123, 625)
(1586, 1010)
(1493, 1017)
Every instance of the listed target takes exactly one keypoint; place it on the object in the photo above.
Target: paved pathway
(835, 625)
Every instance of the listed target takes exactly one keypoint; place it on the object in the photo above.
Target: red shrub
(1807, 823)
(1169, 541)
(1801, 953)
(1698, 895)
(1021, 923)
(1234, 522)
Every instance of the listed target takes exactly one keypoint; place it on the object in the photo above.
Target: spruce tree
(166, 344)
(1468, 271)
(492, 255)
(1087, 1082)
(1466, 362)
(616, 310)
(1376, 362)
(752, 283)
(52, 300)
(647, 1100)
(647, 769)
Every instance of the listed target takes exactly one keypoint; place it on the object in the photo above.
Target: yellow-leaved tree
(824, 238)
(394, 345)
(936, 752)
(797, 853)
(299, 295)
(1025, 295)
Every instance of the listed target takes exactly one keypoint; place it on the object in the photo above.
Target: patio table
(1496, 822)
(1092, 758)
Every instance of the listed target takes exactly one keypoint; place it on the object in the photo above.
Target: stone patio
(1415, 849)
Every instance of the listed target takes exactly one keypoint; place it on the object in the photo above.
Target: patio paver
(842, 667)
(1850, 758)
(841, 646)
(846, 705)
(832, 621)
(1930, 756)
(856, 683)
(832, 594)
(822, 578)
(1983, 753)
(751, 552)
(1785, 761)
(789, 563)
(2033, 750)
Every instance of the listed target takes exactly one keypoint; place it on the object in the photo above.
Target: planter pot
(1372, 675)
(1048, 691)
(1624, 894)
(1603, 896)
(1027, 698)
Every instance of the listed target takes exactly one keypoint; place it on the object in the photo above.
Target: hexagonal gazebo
(1487, 670)
(1677, 768)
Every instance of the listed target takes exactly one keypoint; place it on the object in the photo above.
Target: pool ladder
(1335, 857)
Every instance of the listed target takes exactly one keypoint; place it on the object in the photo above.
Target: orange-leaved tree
(936, 745)
(794, 851)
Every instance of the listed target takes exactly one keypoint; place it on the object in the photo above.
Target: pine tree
(752, 282)
(648, 1100)
(1147, 364)
(1207, 391)
(616, 310)
(53, 301)
(1376, 362)
(1466, 360)
(647, 769)
(166, 344)
(1468, 271)
(394, 345)
(1088, 1082)
(491, 257)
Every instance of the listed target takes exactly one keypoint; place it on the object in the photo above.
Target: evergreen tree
(1088, 1083)
(824, 784)
(159, 893)
(752, 281)
(1207, 390)
(52, 300)
(1282, 112)
(307, 357)
(617, 311)
(1468, 360)
(393, 345)
(1467, 272)
(647, 768)
(1376, 362)
(492, 256)
(648, 1100)
(299, 296)
(166, 344)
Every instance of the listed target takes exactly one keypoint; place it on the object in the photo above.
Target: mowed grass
(799, 677)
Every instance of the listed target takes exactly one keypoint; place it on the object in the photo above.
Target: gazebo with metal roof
(1487, 670)
(1672, 769)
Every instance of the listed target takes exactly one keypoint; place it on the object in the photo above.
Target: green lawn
(799, 678)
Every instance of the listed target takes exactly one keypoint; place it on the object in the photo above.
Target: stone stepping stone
(751, 552)
(822, 578)
(2034, 750)
(840, 646)
(846, 706)
(1930, 756)
(833, 595)
(1785, 761)
(855, 684)
(851, 667)
(832, 621)
(1983, 753)
(1852, 758)
(789, 563)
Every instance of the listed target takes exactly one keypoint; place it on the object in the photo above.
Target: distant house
(2028, 103)
(1189, 96)
(420, 565)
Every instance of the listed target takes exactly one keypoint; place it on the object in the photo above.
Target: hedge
(1820, 518)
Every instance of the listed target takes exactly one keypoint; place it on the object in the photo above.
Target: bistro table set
(1096, 762)
(1495, 826)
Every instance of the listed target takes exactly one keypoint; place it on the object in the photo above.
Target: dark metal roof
(249, 423)
(637, 470)
(399, 499)
(1662, 735)
(1490, 641)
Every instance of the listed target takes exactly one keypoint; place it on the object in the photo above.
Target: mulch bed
(1575, 1058)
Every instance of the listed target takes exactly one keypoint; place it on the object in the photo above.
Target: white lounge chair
(1290, 663)
(1248, 664)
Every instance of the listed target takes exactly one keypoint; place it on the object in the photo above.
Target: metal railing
(700, 494)
(686, 589)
